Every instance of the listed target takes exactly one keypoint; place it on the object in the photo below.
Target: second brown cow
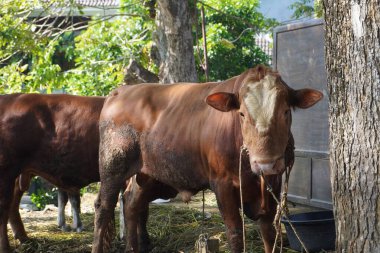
(53, 136)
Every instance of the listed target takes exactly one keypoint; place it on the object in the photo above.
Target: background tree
(307, 9)
(353, 66)
(174, 41)
(232, 27)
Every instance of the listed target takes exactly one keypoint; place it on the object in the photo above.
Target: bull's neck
(232, 118)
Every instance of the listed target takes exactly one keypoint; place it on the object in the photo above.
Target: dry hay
(172, 228)
(175, 229)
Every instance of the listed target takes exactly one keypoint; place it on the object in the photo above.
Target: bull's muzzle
(273, 167)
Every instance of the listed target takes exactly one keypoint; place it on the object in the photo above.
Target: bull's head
(264, 105)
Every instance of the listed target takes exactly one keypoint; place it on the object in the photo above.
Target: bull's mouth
(275, 167)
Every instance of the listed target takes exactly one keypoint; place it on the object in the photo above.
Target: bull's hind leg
(6, 194)
(140, 191)
(118, 160)
(136, 210)
(75, 210)
(62, 201)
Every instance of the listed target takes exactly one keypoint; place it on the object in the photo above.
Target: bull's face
(264, 107)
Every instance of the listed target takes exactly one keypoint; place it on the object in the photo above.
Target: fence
(266, 46)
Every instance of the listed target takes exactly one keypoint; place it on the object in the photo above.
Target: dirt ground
(173, 226)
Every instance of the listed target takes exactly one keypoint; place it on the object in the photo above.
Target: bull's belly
(175, 166)
(67, 173)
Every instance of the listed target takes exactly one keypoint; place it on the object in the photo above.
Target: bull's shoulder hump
(142, 104)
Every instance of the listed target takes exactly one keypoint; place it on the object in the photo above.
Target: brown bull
(53, 136)
(189, 137)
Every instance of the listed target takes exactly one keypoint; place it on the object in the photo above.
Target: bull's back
(55, 136)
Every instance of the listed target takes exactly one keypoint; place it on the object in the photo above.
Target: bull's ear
(223, 101)
(306, 98)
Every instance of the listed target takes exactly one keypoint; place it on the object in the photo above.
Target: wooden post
(204, 42)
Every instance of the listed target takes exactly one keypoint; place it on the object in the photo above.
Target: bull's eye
(287, 113)
(241, 114)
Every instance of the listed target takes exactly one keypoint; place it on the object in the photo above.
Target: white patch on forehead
(260, 101)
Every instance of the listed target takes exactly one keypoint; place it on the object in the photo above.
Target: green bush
(44, 197)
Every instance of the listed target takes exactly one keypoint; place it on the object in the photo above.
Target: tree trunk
(174, 41)
(353, 66)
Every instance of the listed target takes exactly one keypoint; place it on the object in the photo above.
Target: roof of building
(98, 3)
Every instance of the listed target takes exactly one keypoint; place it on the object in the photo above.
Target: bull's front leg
(228, 204)
(267, 228)
(268, 232)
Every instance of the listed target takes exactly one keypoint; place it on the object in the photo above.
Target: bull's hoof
(22, 238)
(65, 228)
(129, 250)
(78, 229)
(5, 249)
(145, 247)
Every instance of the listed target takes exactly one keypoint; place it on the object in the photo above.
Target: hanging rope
(281, 206)
(242, 148)
(201, 245)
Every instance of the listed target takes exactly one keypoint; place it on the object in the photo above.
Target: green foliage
(91, 188)
(231, 29)
(91, 62)
(103, 51)
(25, 52)
(307, 9)
(43, 195)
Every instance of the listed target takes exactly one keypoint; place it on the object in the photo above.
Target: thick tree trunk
(353, 66)
(174, 41)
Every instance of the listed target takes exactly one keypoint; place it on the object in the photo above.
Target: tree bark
(174, 41)
(353, 64)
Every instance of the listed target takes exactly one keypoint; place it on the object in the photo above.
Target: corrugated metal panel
(298, 55)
